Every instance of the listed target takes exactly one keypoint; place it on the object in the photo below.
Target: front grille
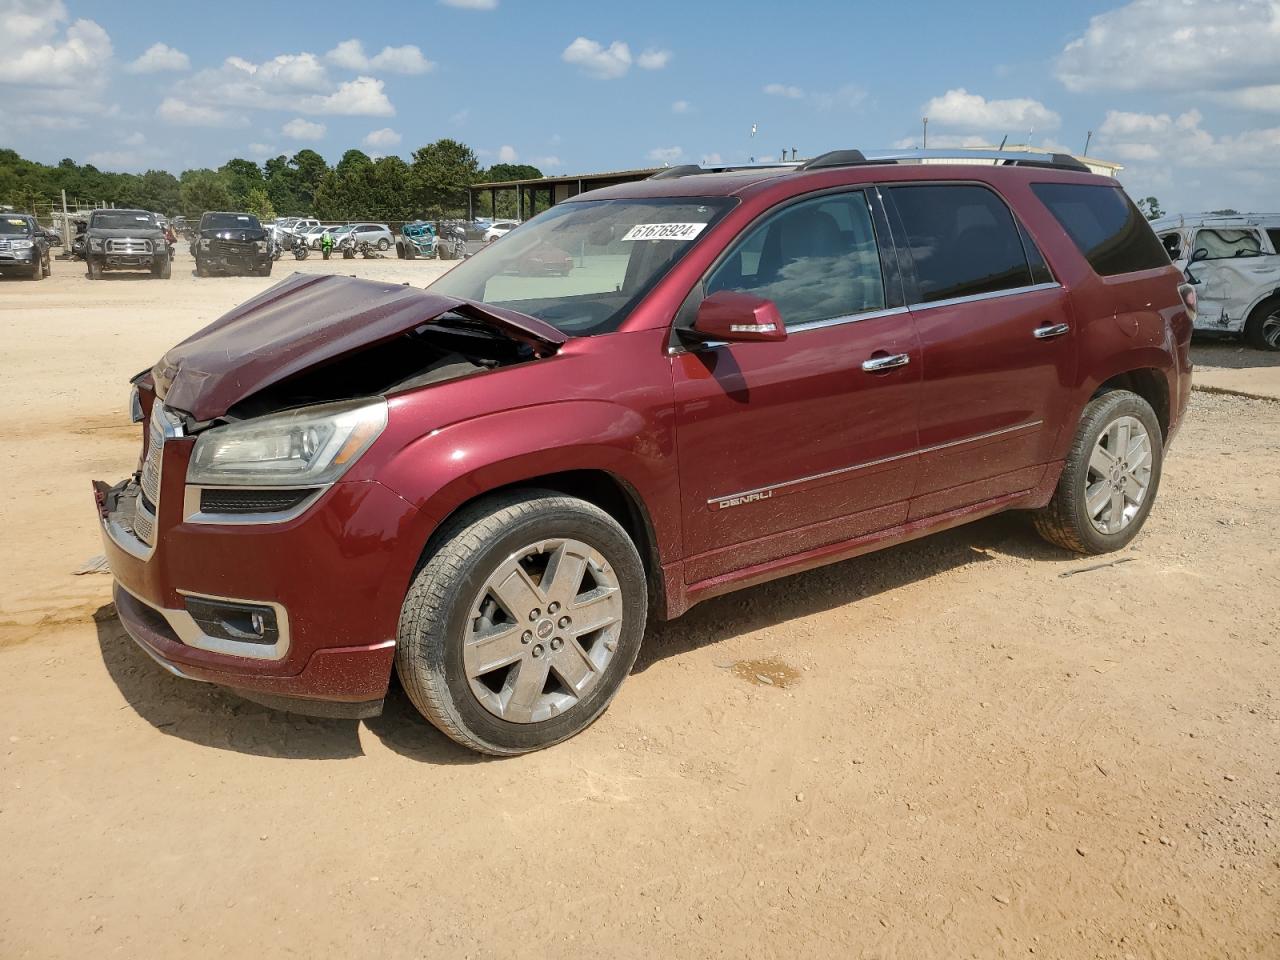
(148, 503)
(128, 245)
(224, 248)
(251, 501)
(6, 244)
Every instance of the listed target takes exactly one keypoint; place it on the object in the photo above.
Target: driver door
(789, 446)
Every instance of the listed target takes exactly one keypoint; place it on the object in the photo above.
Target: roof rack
(1010, 158)
(689, 169)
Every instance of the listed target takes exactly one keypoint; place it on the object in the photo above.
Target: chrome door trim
(979, 297)
(890, 362)
(1051, 331)
(764, 493)
(847, 318)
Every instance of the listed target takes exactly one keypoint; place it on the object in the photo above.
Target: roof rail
(689, 169)
(1012, 158)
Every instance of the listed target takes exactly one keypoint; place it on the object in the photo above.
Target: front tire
(1110, 479)
(94, 269)
(383, 244)
(1262, 329)
(518, 631)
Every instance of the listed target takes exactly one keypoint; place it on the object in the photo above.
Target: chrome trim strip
(979, 297)
(185, 626)
(763, 493)
(191, 512)
(848, 318)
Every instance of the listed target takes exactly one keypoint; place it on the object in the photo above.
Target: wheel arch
(1150, 384)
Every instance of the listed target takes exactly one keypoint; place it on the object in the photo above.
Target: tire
(410, 251)
(94, 269)
(37, 270)
(164, 271)
(201, 270)
(438, 616)
(1262, 329)
(1066, 520)
(383, 244)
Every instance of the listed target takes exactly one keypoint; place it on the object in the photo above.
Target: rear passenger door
(1235, 272)
(996, 336)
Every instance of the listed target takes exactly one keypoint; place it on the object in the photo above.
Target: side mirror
(738, 317)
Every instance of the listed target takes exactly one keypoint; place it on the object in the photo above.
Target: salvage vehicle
(1234, 262)
(232, 244)
(417, 240)
(24, 247)
(490, 484)
(125, 240)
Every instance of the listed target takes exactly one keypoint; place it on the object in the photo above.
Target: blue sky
(1185, 94)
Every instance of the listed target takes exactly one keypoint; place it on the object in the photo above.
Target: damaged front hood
(305, 321)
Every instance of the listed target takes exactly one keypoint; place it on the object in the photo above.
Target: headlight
(311, 445)
(204, 244)
(95, 244)
(262, 246)
(22, 244)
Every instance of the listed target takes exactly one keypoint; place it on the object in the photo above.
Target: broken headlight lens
(310, 445)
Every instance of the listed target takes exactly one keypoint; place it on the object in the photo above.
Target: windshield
(121, 220)
(582, 266)
(230, 221)
(15, 227)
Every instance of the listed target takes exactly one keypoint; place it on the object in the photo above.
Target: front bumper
(235, 261)
(336, 575)
(18, 258)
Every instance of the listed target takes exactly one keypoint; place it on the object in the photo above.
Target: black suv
(125, 240)
(24, 247)
(231, 244)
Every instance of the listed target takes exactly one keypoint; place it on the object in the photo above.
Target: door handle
(1050, 331)
(888, 362)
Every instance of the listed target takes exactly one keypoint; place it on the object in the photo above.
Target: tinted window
(1226, 244)
(963, 241)
(1105, 226)
(816, 260)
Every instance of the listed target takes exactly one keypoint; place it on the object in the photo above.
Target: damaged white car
(1234, 261)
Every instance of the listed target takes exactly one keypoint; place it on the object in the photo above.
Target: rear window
(1105, 226)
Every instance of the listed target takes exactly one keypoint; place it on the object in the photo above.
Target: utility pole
(1087, 140)
(924, 143)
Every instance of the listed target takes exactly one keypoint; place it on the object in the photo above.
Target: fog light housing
(234, 620)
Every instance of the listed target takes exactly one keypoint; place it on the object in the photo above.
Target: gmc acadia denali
(490, 484)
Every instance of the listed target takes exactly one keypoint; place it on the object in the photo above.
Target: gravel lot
(972, 745)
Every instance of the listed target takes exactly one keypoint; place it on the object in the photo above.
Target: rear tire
(94, 269)
(1110, 478)
(1262, 329)
(383, 244)
(581, 563)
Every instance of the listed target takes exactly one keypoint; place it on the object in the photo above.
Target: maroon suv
(739, 375)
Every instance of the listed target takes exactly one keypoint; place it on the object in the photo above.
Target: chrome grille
(128, 245)
(6, 244)
(148, 505)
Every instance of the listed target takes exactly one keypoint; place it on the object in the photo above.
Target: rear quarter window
(1105, 226)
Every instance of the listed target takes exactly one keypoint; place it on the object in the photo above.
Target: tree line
(431, 184)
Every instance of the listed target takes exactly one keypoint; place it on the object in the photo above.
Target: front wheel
(94, 269)
(383, 244)
(1262, 329)
(1109, 482)
(522, 625)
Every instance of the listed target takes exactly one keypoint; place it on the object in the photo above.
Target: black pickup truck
(125, 240)
(231, 243)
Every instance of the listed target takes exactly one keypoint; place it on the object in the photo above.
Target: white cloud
(944, 141)
(262, 150)
(361, 97)
(180, 113)
(547, 163)
(606, 63)
(1186, 46)
(459, 118)
(382, 139)
(471, 4)
(786, 90)
(849, 97)
(299, 129)
(681, 106)
(507, 154)
(407, 59)
(117, 160)
(296, 82)
(158, 57)
(1265, 99)
(134, 139)
(78, 57)
(962, 110)
(666, 154)
(653, 59)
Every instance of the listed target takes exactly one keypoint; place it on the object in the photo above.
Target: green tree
(1228, 212)
(258, 203)
(241, 176)
(352, 162)
(1150, 208)
(307, 170)
(440, 174)
(201, 190)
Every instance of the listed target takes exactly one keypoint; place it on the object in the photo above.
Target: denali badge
(745, 498)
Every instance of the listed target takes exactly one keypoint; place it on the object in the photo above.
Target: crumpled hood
(249, 234)
(306, 320)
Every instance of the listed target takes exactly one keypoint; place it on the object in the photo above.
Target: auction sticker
(664, 231)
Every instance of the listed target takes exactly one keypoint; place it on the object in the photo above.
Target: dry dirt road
(949, 749)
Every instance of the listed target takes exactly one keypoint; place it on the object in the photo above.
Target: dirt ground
(970, 746)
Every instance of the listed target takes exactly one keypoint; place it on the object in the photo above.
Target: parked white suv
(1234, 262)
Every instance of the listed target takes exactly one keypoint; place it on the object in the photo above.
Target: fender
(443, 469)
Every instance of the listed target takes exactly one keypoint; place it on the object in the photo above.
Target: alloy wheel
(542, 630)
(1119, 475)
(1271, 329)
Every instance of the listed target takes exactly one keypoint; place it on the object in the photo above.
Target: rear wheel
(383, 244)
(523, 623)
(1110, 479)
(1262, 329)
(94, 269)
